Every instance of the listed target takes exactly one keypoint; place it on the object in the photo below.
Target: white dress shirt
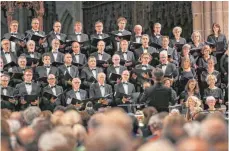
(58, 35)
(100, 56)
(78, 36)
(55, 55)
(102, 89)
(28, 88)
(164, 68)
(4, 91)
(138, 39)
(8, 58)
(78, 95)
(13, 46)
(53, 90)
(77, 57)
(47, 71)
(125, 56)
(125, 87)
(117, 70)
(32, 55)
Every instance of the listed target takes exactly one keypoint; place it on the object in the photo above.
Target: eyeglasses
(28, 75)
(51, 78)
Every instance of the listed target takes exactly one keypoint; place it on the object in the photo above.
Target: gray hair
(164, 52)
(177, 28)
(51, 140)
(195, 32)
(30, 42)
(186, 46)
(156, 122)
(210, 98)
(192, 129)
(31, 113)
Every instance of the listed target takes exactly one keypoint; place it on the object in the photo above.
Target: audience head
(148, 112)
(146, 85)
(31, 113)
(95, 122)
(70, 118)
(192, 86)
(193, 144)
(167, 82)
(193, 101)
(161, 144)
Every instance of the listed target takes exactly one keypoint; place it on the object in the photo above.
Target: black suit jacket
(60, 57)
(170, 70)
(42, 72)
(111, 69)
(138, 52)
(21, 91)
(173, 42)
(130, 56)
(10, 91)
(156, 40)
(47, 104)
(29, 34)
(94, 91)
(120, 89)
(71, 94)
(158, 96)
(18, 49)
(86, 74)
(109, 47)
(105, 57)
(52, 36)
(125, 32)
(221, 42)
(82, 58)
(13, 57)
(73, 71)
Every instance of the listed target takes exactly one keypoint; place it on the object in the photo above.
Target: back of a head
(31, 113)
(193, 144)
(70, 118)
(111, 138)
(161, 144)
(158, 74)
(95, 121)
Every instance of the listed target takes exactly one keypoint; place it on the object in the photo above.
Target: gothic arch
(66, 20)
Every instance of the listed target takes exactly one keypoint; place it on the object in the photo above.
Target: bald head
(193, 144)
(26, 135)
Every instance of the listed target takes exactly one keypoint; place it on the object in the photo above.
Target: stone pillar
(21, 18)
(225, 19)
(9, 13)
(207, 19)
(197, 12)
(40, 14)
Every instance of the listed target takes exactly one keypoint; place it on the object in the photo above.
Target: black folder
(212, 45)
(32, 60)
(122, 37)
(37, 37)
(179, 47)
(155, 55)
(122, 61)
(101, 62)
(6, 97)
(114, 76)
(43, 79)
(195, 50)
(10, 64)
(92, 79)
(155, 45)
(14, 38)
(17, 75)
(30, 98)
(77, 64)
(82, 43)
(94, 41)
(140, 71)
(50, 95)
(135, 45)
(75, 101)
(67, 76)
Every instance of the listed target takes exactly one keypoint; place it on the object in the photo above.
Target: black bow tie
(116, 66)
(124, 52)
(99, 34)
(7, 52)
(158, 34)
(124, 83)
(77, 91)
(100, 53)
(58, 34)
(13, 33)
(102, 86)
(53, 86)
(145, 47)
(93, 69)
(47, 66)
(138, 36)
(144, 66)
(36, 31)
(69, 66)
(31, 53)
(27, 83)
(78, 34)
(120, 31)
(4, 88)
(55, 52)
(164, 64)
(76, 54)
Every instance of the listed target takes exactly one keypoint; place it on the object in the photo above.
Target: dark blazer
(18, 49)
(109, 47)
(221, 42)
(84, 37)
(138, 52)
(41, 71)
(111, 69)
(71, 94)
(29, 34)
(173, 53)
(94, 91)
(13, 57)
(130, 56)
(158, 96)
(10, 91)
(170, 70)
(14, 81)
(52, 36)
(105, 57)
(156, 40)
(172, 42)
(21, 91)
(125, 32)
(73, 71)
(224, 68)
(60, 57)
(36, 55)
(86, 74)
(82, 58)
(120, 89)
(133, 38)
(202, 63)
(47, 104)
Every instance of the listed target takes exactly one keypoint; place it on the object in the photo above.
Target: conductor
(158, 95)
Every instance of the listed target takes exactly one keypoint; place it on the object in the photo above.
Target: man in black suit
(27, 88)
(139, 78)
(6, 54)
(172, 53)
(65, 69)
(158, 95)
(101, 55)
(121, 32)
(169, 69)
(16, 47)
(46, 69)
(156, 37)
(31, 52)
(101, 89)
(137, 35)
(7, 91)
(80, 37)
(145, 48)
(55, 55)
(77, 56)
(100, 35)
(41, 44)
(76, 93)
(124, 87)
(56, 34)
(126, 55)
(52, 88)
(115, 68)
(90, 73)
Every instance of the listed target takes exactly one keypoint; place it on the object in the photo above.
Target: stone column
(207, 19)
(40, 14)
(9, 13)
(225, 19)
(21, 18)
(197, 12)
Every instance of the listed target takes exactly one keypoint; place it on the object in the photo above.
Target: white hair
(30, 42)
(31, 113)
(192, 129)
(164, 52)
(177, 28)
(49, 140)
(210, 98)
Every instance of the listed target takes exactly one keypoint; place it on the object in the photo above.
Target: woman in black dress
(202, 61)
(213, 90)
(219, 40)
(191, 89)
(177, 37)
(186, 73)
